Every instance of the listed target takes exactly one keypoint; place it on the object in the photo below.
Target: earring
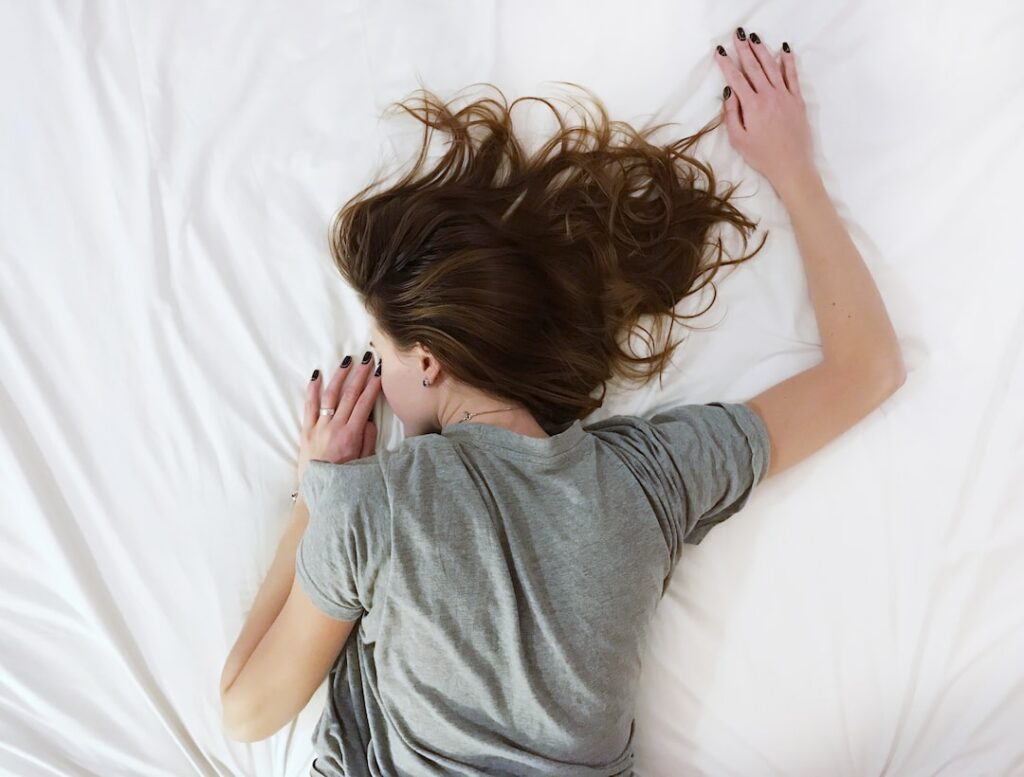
(426, 382)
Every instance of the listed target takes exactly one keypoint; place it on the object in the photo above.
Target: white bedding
(168, 173)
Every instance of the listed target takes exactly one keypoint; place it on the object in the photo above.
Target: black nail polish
(346, 361)
(754, 38)
(785, 47)
(380, 364)
(726, 92)
(316, 374)
(366, 357)
(721, 50)
(740, 34)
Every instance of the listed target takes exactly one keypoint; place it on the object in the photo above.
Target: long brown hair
(521, 272)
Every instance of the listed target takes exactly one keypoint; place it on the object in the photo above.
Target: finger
(333, 390)
(751, 67)
(353, 389)
(764, 57)
(369, 440)
(789, 71)
(368, 397)
(733, 120)
(312, 401)
(734, 76)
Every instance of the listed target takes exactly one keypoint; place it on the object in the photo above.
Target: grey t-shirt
(505, 585)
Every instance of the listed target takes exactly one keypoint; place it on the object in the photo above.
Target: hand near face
(348, 433)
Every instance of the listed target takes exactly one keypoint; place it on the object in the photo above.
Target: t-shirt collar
(488, 434)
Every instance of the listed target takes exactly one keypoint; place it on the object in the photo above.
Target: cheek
(398, 389)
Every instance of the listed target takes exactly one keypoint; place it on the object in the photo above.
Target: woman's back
(506, 584)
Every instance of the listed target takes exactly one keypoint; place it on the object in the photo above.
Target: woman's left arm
(270, 598)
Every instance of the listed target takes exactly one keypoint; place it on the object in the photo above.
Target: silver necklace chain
(466, 415)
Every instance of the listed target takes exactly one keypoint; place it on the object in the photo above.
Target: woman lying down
(479, 597)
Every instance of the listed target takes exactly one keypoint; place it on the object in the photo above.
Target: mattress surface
(169, 171)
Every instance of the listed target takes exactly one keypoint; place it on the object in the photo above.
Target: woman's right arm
(862, 364)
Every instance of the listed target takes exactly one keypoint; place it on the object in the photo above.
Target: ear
(428, 364)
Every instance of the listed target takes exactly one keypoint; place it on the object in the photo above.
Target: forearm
(852, 320)
(271, 597)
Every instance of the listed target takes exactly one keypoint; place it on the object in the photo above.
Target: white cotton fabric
(168, 173)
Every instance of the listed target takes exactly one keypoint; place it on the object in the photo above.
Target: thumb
(731, 106)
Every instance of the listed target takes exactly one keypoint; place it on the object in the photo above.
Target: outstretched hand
(348, 433)
(765, 114)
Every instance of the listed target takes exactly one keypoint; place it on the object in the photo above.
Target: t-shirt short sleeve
(347, 542)
(697, 463)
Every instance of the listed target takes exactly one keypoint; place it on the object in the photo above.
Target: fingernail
(726, 92)
(346, 361)
(380, 364)
(740, 34)
(366, 357)
(754, 38)
(785, 47)
(316, 374)
(721, 50)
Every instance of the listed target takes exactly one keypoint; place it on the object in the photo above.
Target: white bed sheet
(168, 172)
